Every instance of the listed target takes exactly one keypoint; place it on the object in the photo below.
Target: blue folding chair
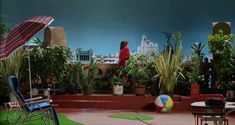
(33, 107)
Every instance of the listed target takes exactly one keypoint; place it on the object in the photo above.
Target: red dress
(124, 55)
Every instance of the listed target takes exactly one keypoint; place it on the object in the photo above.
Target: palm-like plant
(197, 48)
(169, 68)
(38, 41)
(196, 59)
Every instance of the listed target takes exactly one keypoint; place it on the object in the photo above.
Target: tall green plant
(177, 39)
(11, 65)
(220, 46)
(196, 61)
(88, 75)
(169, 68)
(54, 62)
(195, 73)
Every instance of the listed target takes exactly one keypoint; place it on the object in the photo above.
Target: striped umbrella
(22, 33)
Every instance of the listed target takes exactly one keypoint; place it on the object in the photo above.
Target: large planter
(118, 90)
(140, 90)
(195, 90)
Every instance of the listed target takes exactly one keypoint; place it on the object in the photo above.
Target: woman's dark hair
(123, 44)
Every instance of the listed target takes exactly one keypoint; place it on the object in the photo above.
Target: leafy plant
(137, 68)
(49, 62)
(119, 78)
(230, 85)
(72, 77)
(88, 75)
(169, 68)
(221, 47)
(55, 60)
(194, 75)
(232, 63)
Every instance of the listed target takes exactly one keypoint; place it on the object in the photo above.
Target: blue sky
(102, 24)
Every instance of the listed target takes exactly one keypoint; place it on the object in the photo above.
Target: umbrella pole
(30, 82)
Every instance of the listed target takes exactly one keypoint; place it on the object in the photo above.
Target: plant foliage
(168, 66)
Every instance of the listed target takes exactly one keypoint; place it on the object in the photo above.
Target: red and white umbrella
(21, 34)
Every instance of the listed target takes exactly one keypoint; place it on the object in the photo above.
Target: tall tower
(54, 36)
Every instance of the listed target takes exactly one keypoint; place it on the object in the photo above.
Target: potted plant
(118, 80)
(195, 74)
(220, 46)
(87, 77)
(137, 68)
(168, 66)
(71, 79)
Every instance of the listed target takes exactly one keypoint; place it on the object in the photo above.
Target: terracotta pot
(140, 90)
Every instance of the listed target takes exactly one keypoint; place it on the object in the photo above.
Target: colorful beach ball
(164, 103)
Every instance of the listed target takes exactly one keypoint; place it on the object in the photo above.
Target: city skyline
(102, 24)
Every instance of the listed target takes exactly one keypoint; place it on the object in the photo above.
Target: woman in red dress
(124, 54)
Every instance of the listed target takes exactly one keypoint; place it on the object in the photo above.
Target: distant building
(111, 59)
(147, 47)
(85, 57)
(74, 57)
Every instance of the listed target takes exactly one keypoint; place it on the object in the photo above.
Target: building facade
(148, 48)
(83, 56)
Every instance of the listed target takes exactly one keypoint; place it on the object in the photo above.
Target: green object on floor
(132, 116)
(62, 119)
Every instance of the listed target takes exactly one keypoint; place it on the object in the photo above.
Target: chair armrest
(38, 101)
(33, 99)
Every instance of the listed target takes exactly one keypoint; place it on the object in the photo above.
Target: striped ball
(164, 103)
